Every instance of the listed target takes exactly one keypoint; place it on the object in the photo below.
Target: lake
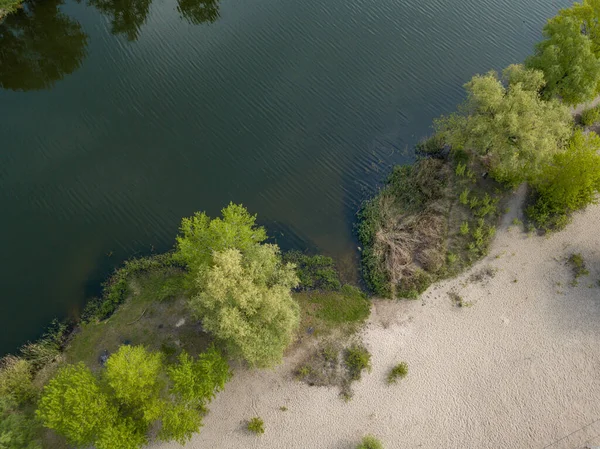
(119, 117)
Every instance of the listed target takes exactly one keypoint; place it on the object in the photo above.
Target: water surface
(118, 117)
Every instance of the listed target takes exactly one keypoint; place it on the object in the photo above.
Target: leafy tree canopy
(514, 131)
(134, 374)
(201, 236)
(587, 14)
(245, 301)
(566, 57)
(570, 182)
(73, 405)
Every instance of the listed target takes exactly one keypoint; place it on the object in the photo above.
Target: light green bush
(370, 442)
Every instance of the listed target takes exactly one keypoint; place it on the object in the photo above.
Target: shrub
(397, 372)
(590, 116)
(370, 442)
(48, 347)
(9, 6)
(16, 379)
(314, 272)
(464, 228)
(357, 359)
(460, 169)
(245, 302)
(464, 197)
(578, 265)
(256, 425)
(570, 183)
(18, 429)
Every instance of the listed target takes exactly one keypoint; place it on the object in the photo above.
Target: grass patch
(370, 442)
(325, 311)
(152, 315)
(400, 371)
(256, 425)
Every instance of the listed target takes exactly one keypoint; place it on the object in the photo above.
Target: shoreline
(464, 363)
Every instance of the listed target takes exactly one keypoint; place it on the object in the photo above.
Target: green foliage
(256, 425)
(16, 379)
(245, 302)
(400, 371)
(571, 69)
(201, 236)
(179, 423)
(511, 128)
(356, 359)
(124, 434)
(464, 228)
(370, 442)
(74, 406)
(314, 272)
(8, 6)
(569, 183)
(587, 14)
(18, 430)
(590, 116)
(464, 197)
(134, 375)
(578, 265)
(460, 169)
(197, 381)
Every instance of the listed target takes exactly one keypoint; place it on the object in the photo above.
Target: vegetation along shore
(170, 331)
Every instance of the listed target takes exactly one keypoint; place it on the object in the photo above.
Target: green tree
(509, 126)
(8, 6)
(570, 182)
(197, 381)
(134, 375)
(587, 14)
(179, 422)
(571, 69)
(73, 405)
(124, 434)
(245, 301)
(18, 430)
(200, 236)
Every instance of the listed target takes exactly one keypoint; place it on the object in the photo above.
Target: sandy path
(518, 369)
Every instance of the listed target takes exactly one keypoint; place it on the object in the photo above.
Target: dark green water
(119, 117)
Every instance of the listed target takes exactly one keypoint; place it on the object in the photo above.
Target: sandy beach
(517, 368)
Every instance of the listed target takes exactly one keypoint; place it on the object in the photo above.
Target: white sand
(518, 369)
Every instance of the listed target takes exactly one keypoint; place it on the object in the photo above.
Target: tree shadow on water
(39, 45)
(128, 16)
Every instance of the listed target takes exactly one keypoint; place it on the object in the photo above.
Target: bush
(256, 425)
(314, 272)
(398, 372)
(48, 347)
(16, 379)
(570, 183)
(578, 265)
(590, 116)
(370, 442)
(9, 6)
(357, 358)
(18, 430)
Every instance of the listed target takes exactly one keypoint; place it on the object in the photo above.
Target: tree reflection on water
(39, 45)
